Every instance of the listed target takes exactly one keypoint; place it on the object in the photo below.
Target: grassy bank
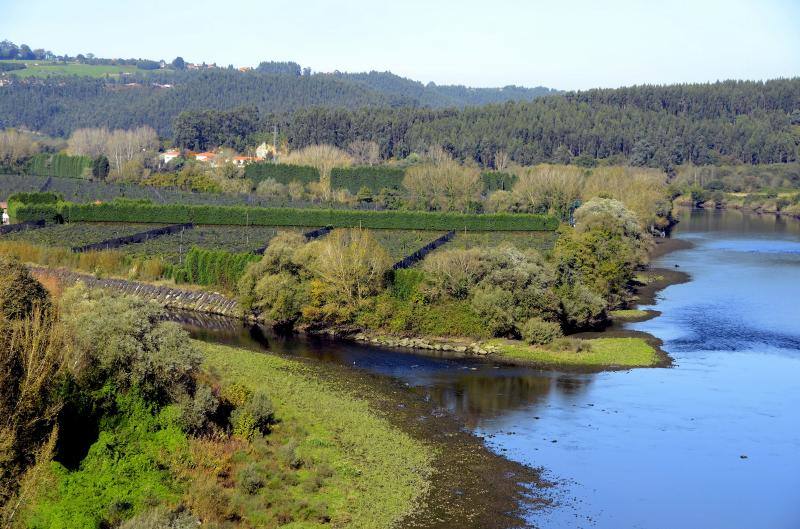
(595, 353)
(378, 473)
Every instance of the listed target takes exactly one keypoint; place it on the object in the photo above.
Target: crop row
(77, 234)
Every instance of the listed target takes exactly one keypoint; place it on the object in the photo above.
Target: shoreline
(449, 347)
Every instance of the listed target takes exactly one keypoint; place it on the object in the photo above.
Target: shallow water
(713, 442)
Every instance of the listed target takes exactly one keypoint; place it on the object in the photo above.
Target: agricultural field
(46, 68)
(400, 243)
(236, 239)
(78, 234)
(523, 240)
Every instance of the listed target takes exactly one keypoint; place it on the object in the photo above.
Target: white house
(264, 151)
(170, 155)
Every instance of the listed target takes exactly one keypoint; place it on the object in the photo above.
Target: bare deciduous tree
(15, 147)
(445, 185)
(88, 142)
(364, 152)
(324, 158)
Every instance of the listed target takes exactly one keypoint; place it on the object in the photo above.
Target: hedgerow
(62, 165)
(283, 173)
(494, 181)
(213, 267)
(243, 216)
(373, 178)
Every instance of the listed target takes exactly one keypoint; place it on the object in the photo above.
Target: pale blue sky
(561, 44)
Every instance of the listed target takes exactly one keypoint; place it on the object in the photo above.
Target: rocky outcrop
(466, 348)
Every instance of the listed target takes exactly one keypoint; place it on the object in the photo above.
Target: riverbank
(411, 464)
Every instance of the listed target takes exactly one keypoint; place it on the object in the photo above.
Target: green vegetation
(78, 234)
(522, 240)
(281, 173)
(53, 68)
(118, 419)
(598, 352)
(129, 211)
(628, 314)
(334, 431)
(61, 165)
(213, 267)
(233, 239)
(374, 178)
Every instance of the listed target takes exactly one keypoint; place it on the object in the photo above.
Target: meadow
(48, 68)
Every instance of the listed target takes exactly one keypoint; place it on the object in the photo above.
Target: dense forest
(656, 126)
(58, 105)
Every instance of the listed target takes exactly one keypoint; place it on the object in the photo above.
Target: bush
(495, 307)
(281, 173)
(374, 178)
(405, 282)
(494, 181)
(251, 478)
(254, 417)
(20, 293)
(195, 412)
(536, 331)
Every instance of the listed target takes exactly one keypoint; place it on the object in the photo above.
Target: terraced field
(235, 239)
(78, 234)
(400, 243)
(523, 240)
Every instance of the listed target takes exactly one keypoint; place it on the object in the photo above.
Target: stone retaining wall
(195, 300)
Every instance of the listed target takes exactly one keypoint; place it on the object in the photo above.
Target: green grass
(378, 472)
(45, 68)
(603, 352)
(628, 314)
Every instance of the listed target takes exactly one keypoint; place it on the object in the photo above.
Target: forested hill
(656, 126)
(58, 105)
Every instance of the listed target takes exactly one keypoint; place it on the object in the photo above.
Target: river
(713, 442)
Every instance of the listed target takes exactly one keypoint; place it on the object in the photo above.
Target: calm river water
(712, 443)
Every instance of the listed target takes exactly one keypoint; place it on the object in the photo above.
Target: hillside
(58, 104)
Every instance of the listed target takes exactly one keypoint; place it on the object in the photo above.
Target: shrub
(20, 293)
(374, 178)
(494, 181)
(405, 282)
(536, 331)
(196, 411)
(281, 173)
(251, 478)
(495, 307)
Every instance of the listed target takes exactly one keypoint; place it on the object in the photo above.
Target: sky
(568, 45)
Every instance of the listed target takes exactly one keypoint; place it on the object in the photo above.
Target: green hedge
(280, 172)
(24, 207)
(213, 267)
(62, 165)
(374, 178)
(495, 180)
(338, 218)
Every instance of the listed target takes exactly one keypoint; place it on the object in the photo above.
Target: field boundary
(22, 226)
(412, 259)
(116, 242)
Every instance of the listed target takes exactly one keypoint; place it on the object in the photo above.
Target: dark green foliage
(58, 105)
(11, 66)
(240, 215)
(495, 180)
(213, 267)
(24, 207)
(373, 178)
(62, 165)
(100, 167)
(282, 173)
(20, 293)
